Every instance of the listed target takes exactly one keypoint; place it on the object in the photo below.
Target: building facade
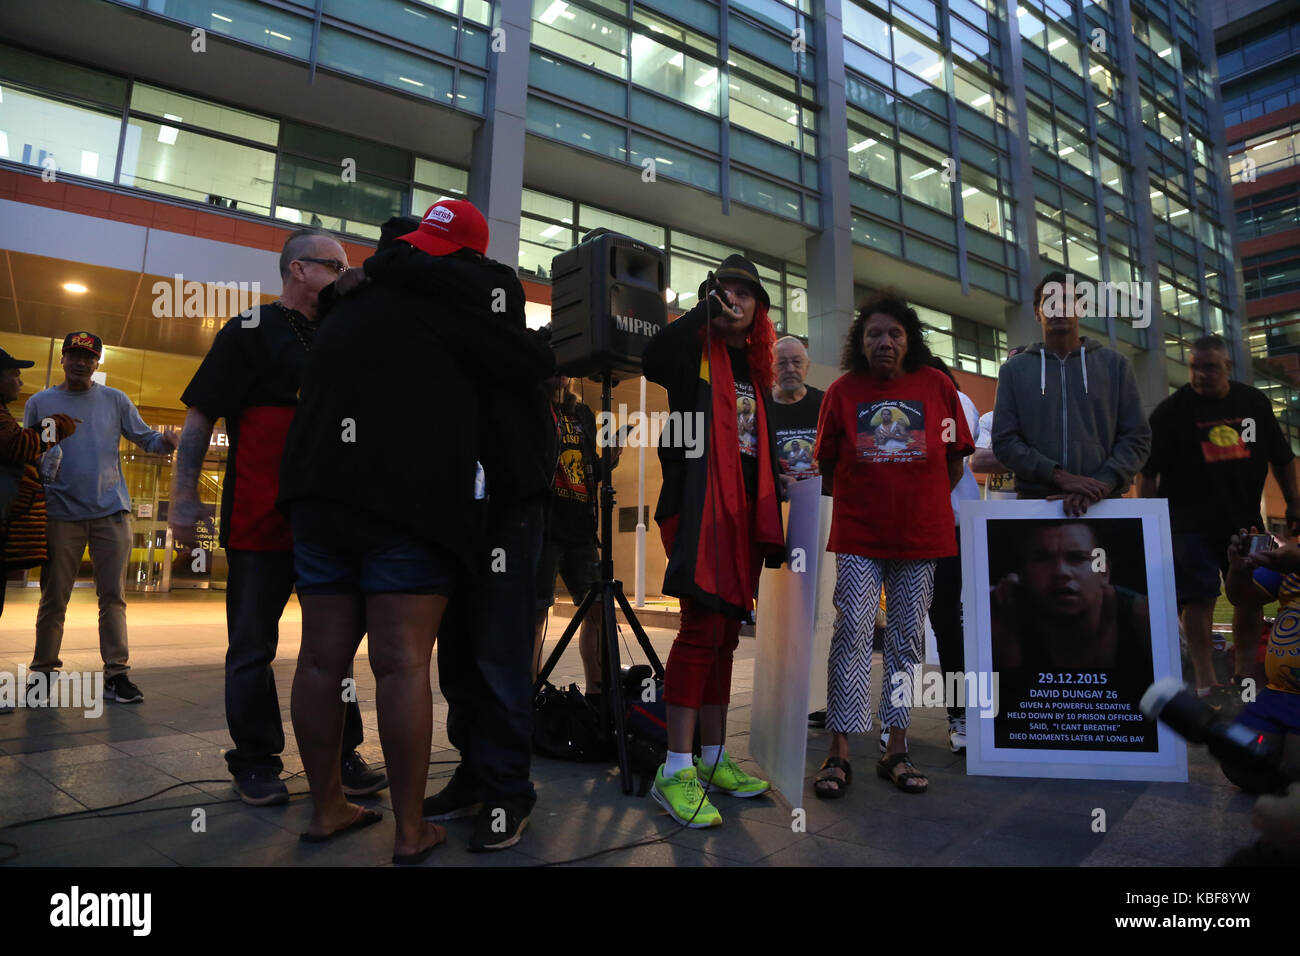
(953, 149)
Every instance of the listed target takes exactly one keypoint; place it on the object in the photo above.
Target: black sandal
(888, 766)
(835, 787)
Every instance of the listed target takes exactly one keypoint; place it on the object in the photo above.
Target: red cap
(448, 226)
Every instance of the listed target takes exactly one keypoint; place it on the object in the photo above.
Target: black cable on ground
(100, 813)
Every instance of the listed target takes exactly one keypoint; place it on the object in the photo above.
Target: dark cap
(84, 340)
(8, 361)
(394, 229)
(738, 267)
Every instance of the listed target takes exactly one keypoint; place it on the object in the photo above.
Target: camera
(1256, 762)
(1256, 543)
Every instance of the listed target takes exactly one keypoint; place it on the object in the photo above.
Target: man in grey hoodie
(1068, 419)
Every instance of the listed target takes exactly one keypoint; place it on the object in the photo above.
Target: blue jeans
(485, 646)
(257, 589)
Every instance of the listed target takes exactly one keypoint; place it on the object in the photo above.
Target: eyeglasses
(333, 264)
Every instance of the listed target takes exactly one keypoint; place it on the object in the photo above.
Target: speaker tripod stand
(601, 599)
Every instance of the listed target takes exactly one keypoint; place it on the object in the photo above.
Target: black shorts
(578, 564)
(1199, 562)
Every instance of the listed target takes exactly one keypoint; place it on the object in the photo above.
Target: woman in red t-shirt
(892, 437)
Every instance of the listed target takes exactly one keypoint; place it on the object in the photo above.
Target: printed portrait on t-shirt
(1221, 441)
(892, 431)
(795, 451)
(746, 418)
(570, 471)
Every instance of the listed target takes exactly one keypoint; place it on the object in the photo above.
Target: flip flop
(363, 818)
(411, 859)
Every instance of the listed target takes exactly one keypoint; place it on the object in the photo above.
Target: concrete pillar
(1022, 327)
(830, 252)
(496, 174)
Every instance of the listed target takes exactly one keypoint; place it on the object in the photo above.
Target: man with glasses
(250, 377)
(795, 407)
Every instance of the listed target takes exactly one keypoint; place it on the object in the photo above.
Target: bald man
(795, 407)
(250, 377)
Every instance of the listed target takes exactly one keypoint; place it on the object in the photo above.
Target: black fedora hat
(738, 267)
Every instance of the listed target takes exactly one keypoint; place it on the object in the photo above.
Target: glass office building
(953, 149)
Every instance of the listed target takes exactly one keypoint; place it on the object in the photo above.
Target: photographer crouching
(1257, 577)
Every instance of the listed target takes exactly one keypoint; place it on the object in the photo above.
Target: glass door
(148, 477)
(203, 565)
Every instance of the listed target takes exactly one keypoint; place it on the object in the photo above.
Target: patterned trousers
(858, 580)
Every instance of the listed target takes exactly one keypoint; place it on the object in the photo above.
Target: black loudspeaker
(607, 299)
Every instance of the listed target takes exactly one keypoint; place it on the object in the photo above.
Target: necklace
(288, 315)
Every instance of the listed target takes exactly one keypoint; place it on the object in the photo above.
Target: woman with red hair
(719, 517)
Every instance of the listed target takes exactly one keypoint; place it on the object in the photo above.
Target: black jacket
(479, 314)
(672, 359)
(431, 380)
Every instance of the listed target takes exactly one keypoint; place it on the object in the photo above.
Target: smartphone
(1256, 543)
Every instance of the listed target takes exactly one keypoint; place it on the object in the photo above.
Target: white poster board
(824, 618)
(1071, 620)
(787, 606)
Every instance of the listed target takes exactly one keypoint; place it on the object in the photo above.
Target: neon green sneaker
(729, 778)
(684, 800)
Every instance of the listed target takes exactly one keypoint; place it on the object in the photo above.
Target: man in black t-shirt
(250, 377)
(1213, 442)
(795, 407)
(570, 545)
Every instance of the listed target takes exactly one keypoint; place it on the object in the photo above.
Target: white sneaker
(884, 739)
(957, 734)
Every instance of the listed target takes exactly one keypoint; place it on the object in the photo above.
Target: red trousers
(699, 665)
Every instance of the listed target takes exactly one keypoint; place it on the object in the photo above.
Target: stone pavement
(56, 762)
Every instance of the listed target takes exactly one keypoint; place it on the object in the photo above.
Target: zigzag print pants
(910, 587)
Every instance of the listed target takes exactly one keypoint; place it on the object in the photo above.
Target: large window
(581, 35)
(44, 132)
(672, 73)
(198, 150)
(759, 110)
(925, 177)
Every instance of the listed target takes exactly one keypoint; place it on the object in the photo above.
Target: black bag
(566, 726)
(647, 719)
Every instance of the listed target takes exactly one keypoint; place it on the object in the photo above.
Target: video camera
(1256, 762)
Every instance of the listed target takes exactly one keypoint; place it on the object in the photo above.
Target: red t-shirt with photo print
(887, 444)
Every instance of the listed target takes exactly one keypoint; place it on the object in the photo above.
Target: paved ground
(56, 762)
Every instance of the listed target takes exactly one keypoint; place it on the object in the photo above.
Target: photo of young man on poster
(1070, 633)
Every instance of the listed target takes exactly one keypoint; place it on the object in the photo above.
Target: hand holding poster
(1073, 618)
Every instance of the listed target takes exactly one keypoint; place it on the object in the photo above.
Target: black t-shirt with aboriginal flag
(1212, 456)
(250, 377)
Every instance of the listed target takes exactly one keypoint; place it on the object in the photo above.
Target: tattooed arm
(185, 511)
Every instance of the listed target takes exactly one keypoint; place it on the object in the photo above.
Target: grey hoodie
(1082, 413)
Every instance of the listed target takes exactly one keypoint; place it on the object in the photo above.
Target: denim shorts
(338, 549)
